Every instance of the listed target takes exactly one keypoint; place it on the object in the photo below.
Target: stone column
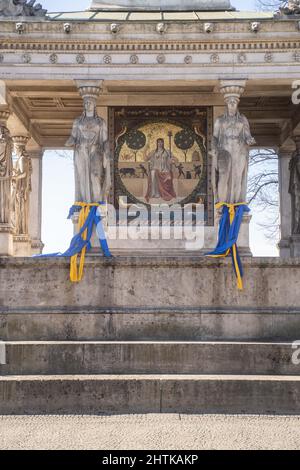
(284, 158)
(35, 207)
(21, 196)
(6, 166)
(211, 233)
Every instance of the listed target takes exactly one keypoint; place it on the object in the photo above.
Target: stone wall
(271, 284)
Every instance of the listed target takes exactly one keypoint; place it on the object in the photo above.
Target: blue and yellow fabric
(229, 229)
(89, 216)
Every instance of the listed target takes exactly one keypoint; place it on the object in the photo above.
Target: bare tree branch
(263, 189)
(271, 4)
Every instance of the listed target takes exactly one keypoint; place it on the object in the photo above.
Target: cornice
(147, 46)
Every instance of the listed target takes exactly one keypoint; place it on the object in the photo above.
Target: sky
(78, 5)
(58, 173)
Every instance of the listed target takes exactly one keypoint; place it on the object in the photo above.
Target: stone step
(55, 358)
(200, 324)
(149, 394)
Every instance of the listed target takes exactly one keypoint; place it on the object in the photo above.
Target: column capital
(232, 88)
(36, 153)
(296, 139)
(20, 142)
(89, 88)
(285, 152)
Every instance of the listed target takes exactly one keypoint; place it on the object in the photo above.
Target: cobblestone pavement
(150, 432)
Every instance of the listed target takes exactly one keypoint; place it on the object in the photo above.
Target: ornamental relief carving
(238, 47)
(242, 58)
(214, 58)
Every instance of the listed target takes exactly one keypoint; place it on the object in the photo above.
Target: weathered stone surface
(202, 324)
(149, 394)
(168, 357)
(270, 283)
(172, 302)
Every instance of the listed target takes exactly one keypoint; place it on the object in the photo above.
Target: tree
(184, 140)
(271, 4)
(263, 189)
(263, 183)
(136, 140)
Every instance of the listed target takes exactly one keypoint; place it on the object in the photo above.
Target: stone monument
(156, 331)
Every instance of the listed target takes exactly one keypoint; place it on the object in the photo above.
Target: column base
(6, 241)
(37, 247)
(22, 246)
(243, 242)
(284, 248)
(295, 246)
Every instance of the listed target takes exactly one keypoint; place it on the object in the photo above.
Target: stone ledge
(85, 310)
(140, 261)
(149, 394)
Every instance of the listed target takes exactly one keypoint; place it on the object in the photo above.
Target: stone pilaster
(285, 155)
(21, 196)
(6, 228)
(295, 237)
(35, 207)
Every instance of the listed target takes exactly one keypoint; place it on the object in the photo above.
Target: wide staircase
(83, 362)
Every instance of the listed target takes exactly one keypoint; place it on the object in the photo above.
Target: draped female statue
(21, 188)
(6, 169)
(91, 155)
(231, 140)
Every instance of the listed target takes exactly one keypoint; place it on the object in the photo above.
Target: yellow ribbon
(76, 271)
(231, 208)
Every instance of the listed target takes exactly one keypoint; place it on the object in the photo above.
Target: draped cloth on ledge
(229, 229)
(89, 216)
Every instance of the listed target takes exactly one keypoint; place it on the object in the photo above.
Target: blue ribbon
(228, 235)
(78, 243)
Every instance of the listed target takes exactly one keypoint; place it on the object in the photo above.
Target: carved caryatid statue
(230, 150)
(91, 151)
(21, 186)
(6, 169)
(294, 188)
